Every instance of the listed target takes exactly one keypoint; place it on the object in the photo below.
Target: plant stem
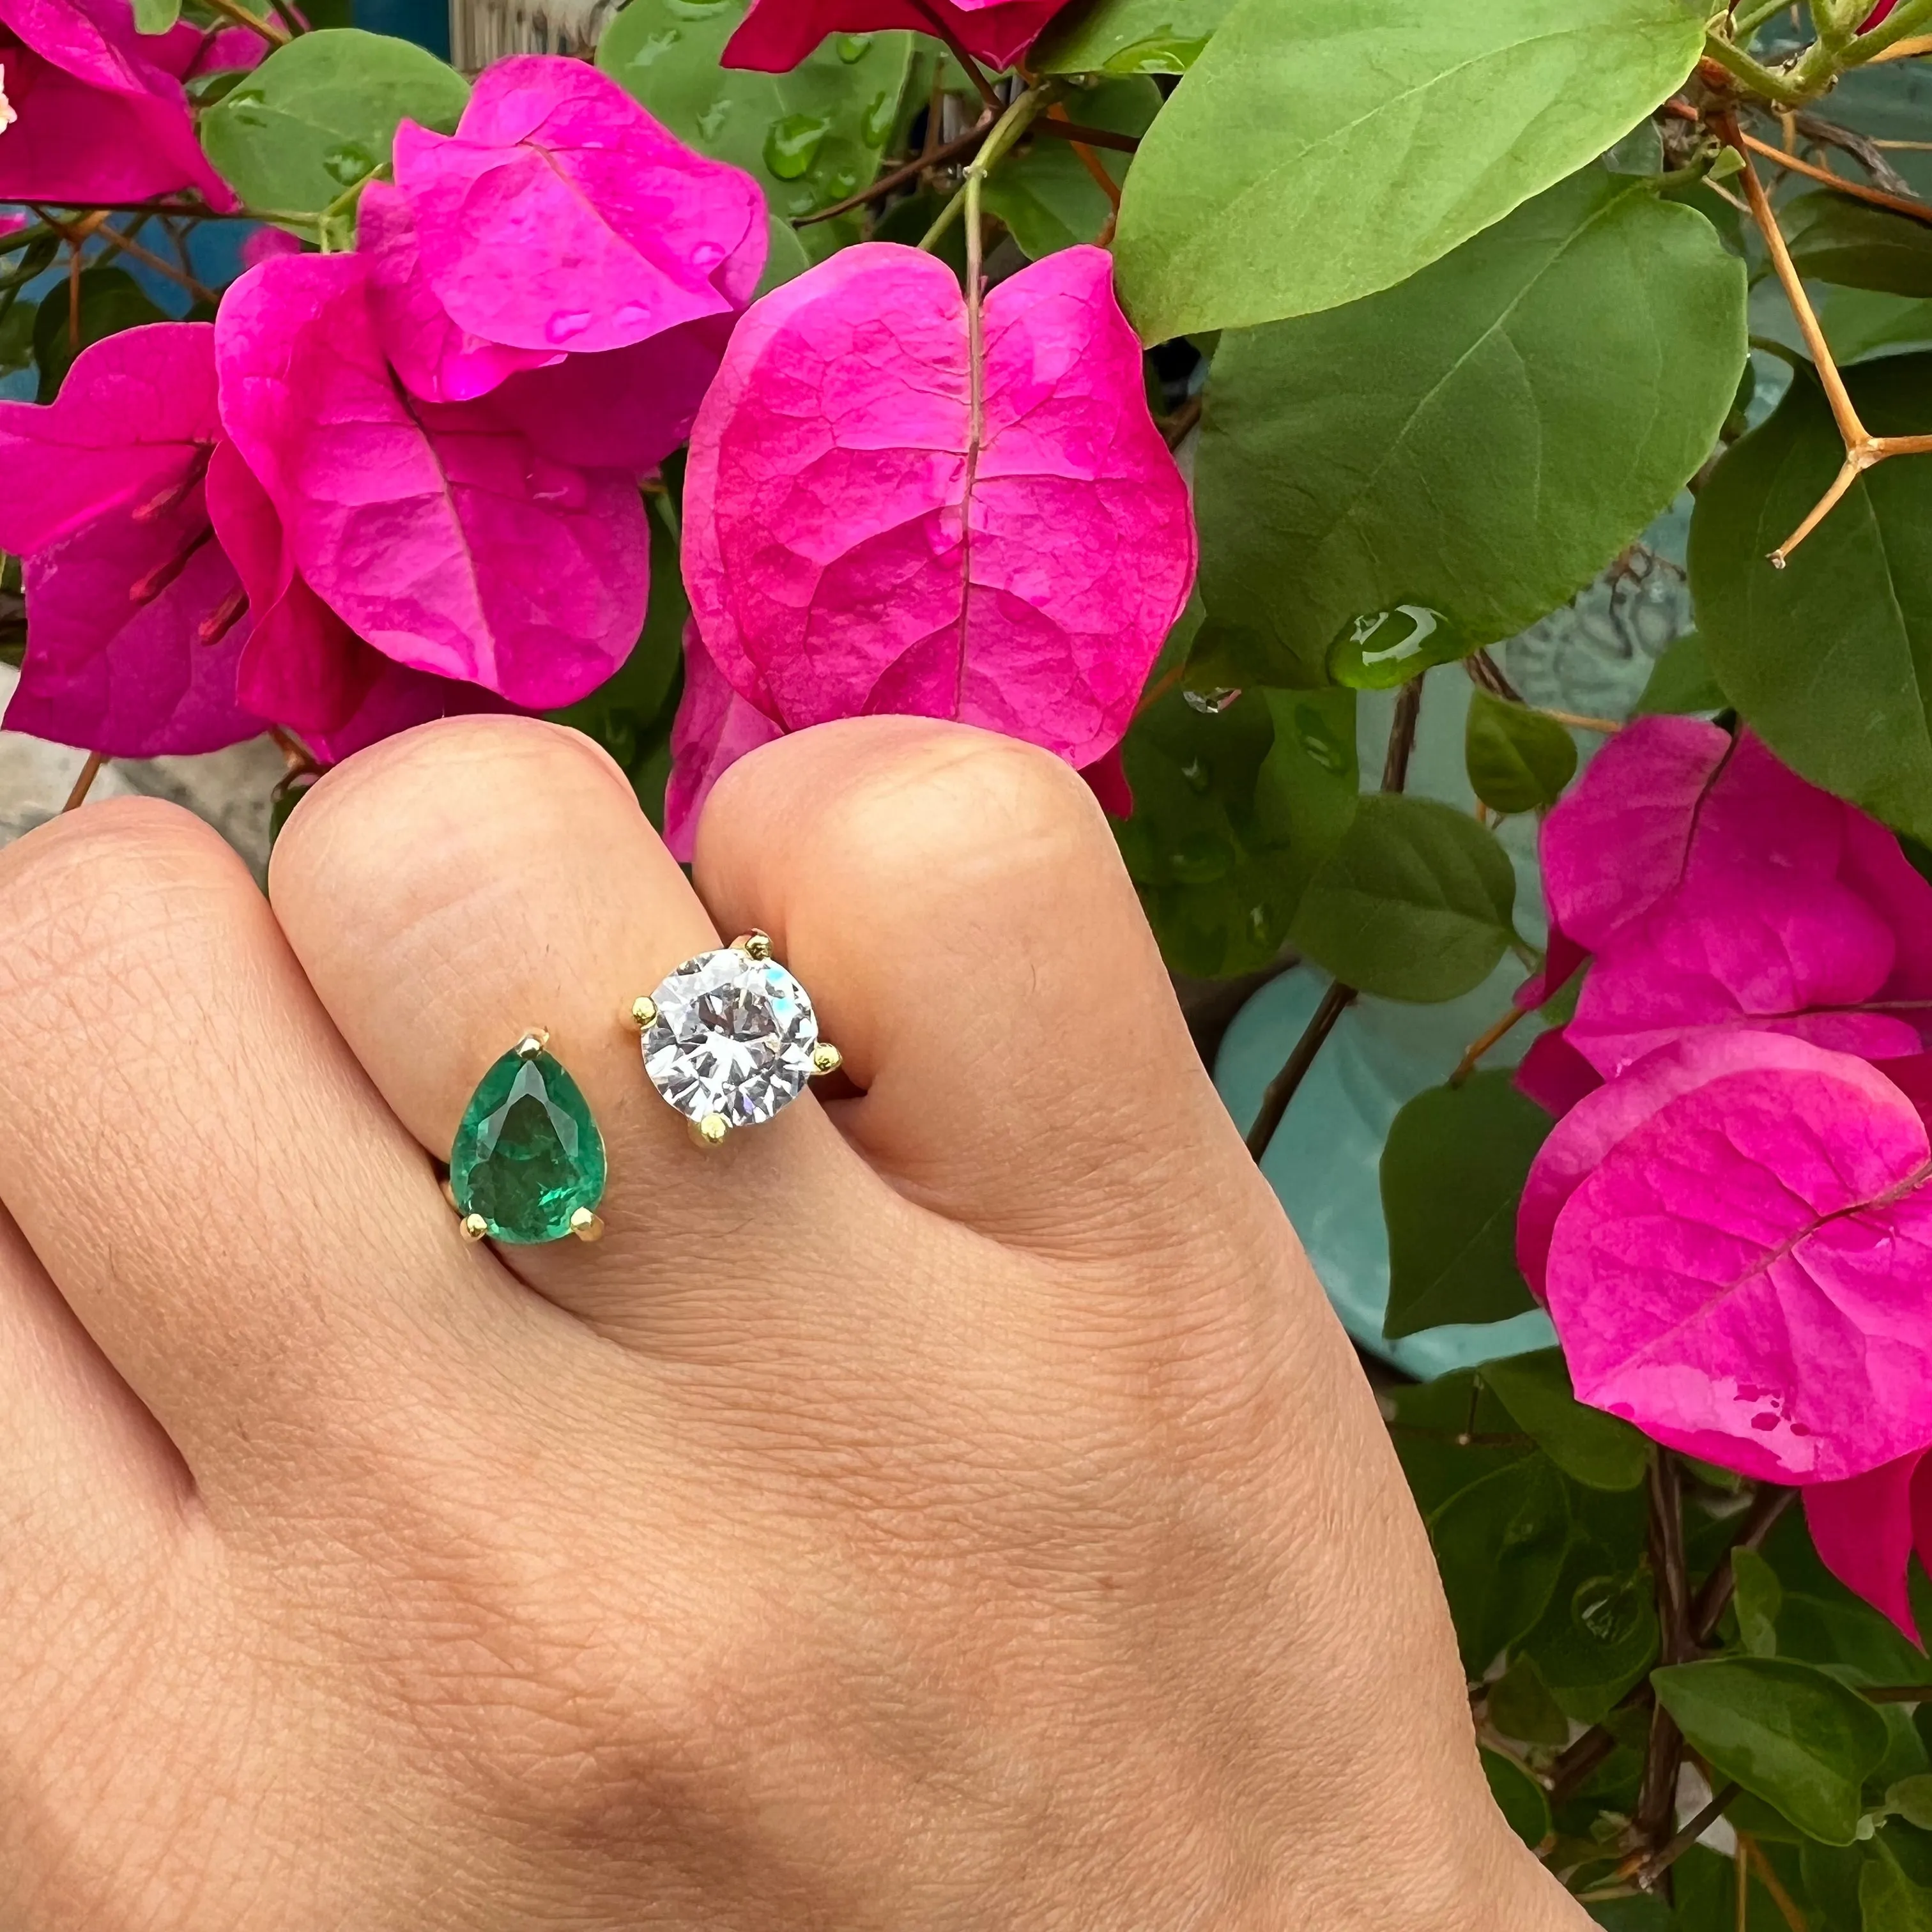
(1862, 449)
(1896, 1693)
(1335, 1002)
(102, 230)
(1904, 20)
(1868, 153)
(1767, 1506)
(1748, 1851)
(1005, 131)
(1656, 1800)
(1644, 1872)
(276, 35)
(1339, 998)
(1755, 75)
(84, 784)
(1751, 19)
(1484, 1041)
(952, 151)
(1900, 204)
(1911, 48)
(957, 48)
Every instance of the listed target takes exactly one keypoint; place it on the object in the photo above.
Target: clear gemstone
(733, 1036)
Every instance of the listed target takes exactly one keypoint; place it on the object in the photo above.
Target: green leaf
(1220, 903)
(111, 300)
(16, 333)
(1499, 1545)
(1786, 1732)
(1829, 659)
(1465, 443)
(630, 713)
(1518, 760)
(1414, 903)
(1589, 1447)
(319, 115)
(1912, 1799)
(1599, 1635)
(1834, 238)
(1449, 1433)
(809, 137)
(1759, 1597)
(1519, 1797)
(1308, 788)
(1681, 683)
(1640, 1913)
(1452, 1173)
(1315, 155)
(1128, 36)
(155, 16)
(1045, 194)
(1861, 321)
(1520, 1705)
(1889, 1901)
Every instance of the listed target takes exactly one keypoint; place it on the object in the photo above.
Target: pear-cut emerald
(528, 1155)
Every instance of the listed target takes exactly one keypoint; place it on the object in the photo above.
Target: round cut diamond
(733, 1036)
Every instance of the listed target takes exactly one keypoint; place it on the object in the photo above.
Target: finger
(456, 887)
(955, 902)
(195, 1158)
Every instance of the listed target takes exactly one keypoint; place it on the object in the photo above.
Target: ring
(527, 1165)
(730, 1039)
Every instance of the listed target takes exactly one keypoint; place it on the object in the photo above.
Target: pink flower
(1866, 1527)
(714, 729)
(852, 546)
(265, 244)
(777, 34)
(1734, 1238)
(434, 531)
(90, 112)
(136, 618)
(1718, 889)
(633, 256)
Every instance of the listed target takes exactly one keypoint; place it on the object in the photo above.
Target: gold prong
(754, 945)
(826, 1058)
(533, 1042)
(586, 1226)
(710, 1131)
(449, 1193)
(643, 1013)
(475, 1227)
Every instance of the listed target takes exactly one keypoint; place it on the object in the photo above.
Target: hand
(951, 1507)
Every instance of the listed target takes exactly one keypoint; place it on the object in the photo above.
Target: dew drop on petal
(567, 325)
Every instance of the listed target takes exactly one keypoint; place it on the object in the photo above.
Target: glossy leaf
(849, 548)
(1413, 904)
(1835, 239)
(1499, 1545)
(320, 115)
(1518, 760)
(1128, 36)
(1889, 1901)
(1464, 442)
(809, 135)
(1045, 193)
(1520, 1704)
(1681, 683)
(1856, 596)
(1519, 1797)
(1214, 890)
(1452, 1173)
(1599, 1634)
(1786, 1732)
(1588, 1446)
(1282, 179)
(1756, 1596)
(1121, 37)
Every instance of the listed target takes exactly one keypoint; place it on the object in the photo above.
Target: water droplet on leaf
(1201, 858)
(1383, 649)
(792, 145)
(1322, 746)
(655, 46)
(348, 163)
(1198, 773)
(711, 122)
(1609, 1607)
(854, 46)
(1211, 703)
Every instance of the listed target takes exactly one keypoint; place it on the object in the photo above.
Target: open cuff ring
(730, 1039)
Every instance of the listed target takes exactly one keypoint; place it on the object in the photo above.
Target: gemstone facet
(528, 1156)
(731, 1035)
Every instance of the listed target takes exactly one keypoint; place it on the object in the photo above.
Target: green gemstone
(528, 1155)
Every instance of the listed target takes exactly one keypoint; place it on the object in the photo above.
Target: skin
(953, 1505)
